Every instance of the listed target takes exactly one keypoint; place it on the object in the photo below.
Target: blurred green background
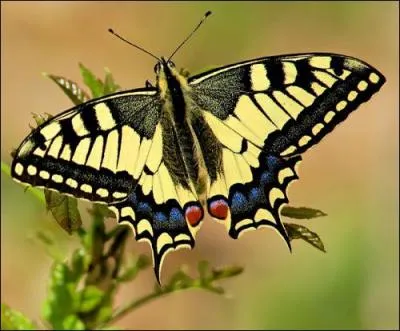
(352, 175)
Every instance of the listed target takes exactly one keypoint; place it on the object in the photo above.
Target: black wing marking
(96, 150)
(257, 203)
(285, 104)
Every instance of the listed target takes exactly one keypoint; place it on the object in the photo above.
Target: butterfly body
(225, 143)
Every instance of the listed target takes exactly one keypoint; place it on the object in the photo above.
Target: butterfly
(225, 143)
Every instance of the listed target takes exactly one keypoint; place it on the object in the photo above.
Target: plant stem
(137, 303)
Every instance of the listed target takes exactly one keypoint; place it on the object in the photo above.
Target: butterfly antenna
(187, 38)
(136, 46)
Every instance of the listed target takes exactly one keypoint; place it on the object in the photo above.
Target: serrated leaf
(95, 85)
(91, 298)
(14, 320)
(110, 86)
(72, 322)
(296, 231)
(64, 209)
(301, 212)
(70, 88)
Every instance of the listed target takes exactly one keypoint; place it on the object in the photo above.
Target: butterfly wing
(115, 150)
(96, 150)
(261, 115)
(163, 210)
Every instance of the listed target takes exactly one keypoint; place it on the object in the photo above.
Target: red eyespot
(194, 214)
(219, 209)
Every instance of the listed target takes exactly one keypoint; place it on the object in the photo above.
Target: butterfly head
(168, 77)
(163, 65)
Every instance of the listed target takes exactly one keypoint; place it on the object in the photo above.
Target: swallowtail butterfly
(224, 143)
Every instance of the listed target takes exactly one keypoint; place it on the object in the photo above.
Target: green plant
(82, 287)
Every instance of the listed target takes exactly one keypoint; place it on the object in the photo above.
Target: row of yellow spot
(32, 171)
(362, 86)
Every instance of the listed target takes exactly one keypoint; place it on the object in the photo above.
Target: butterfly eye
(171, 64)
(157, 68)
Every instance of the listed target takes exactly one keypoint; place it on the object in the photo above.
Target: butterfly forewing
(286, 104)
(96, 150)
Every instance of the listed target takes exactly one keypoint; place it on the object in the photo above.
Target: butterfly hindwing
(257, 203)
(161, 223)
(96, 150)
(262, 114)
(162, 209)
(247, 186)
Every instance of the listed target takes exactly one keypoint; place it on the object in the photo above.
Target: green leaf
(14, 320)
(101, 210)
(301, 212)
(63, 299)
(64, 209)
(60, 275)
(204, 270)
(91, 298)
(72, 322)
(40, 119)
(70, 88)
(296, 231)
(110, 86)
(226, 272)
(78, 264)
(105, 311)
(95, 85)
